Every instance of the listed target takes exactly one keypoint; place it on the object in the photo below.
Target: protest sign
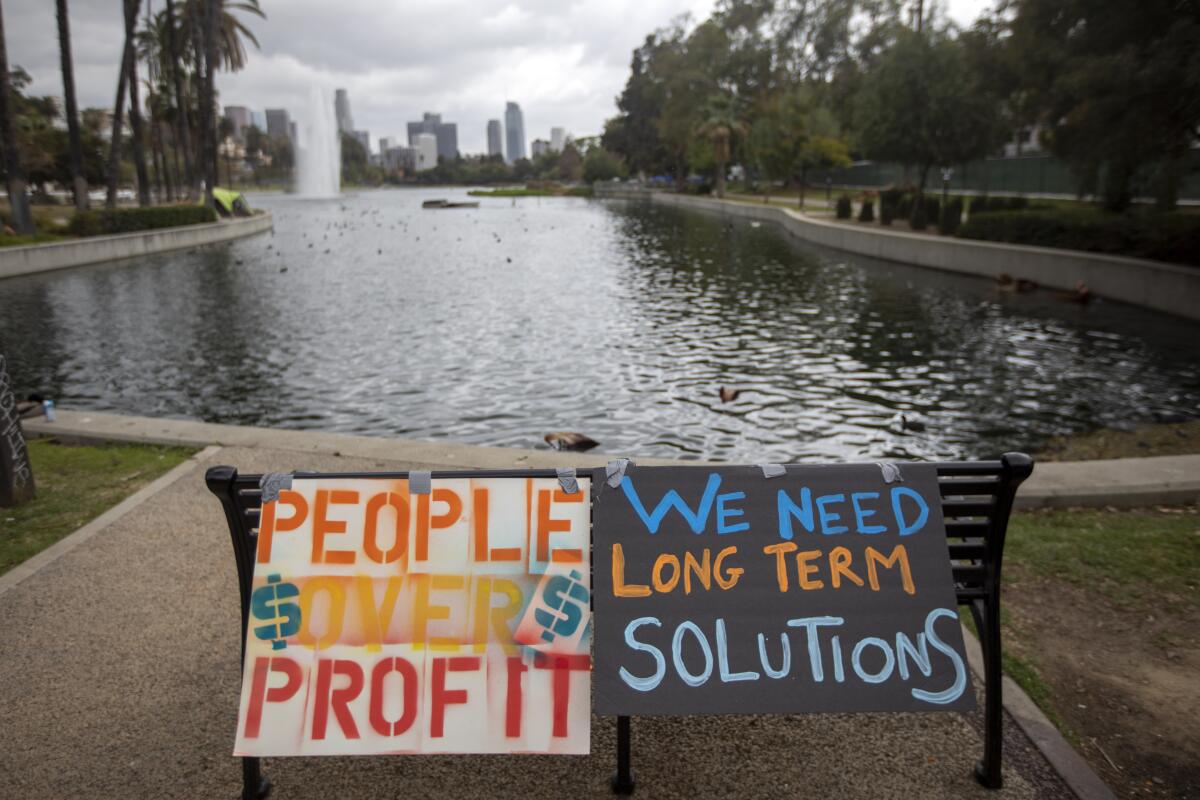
(453, 618)
(822, 589)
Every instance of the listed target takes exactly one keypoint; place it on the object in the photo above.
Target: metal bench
(977, 500)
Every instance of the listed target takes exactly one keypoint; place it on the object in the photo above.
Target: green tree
(18, 199)
(601, 165)
(354, 160)
(922, 106)
(721, 123)
(1119, 88)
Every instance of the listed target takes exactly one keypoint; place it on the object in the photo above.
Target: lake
(617, 319)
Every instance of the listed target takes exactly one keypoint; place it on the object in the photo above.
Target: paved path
(119, 679)
(1118, 482)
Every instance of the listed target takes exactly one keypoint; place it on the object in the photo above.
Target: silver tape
(566, 479)
(615, 471)
(273, 483)
(891, 472)
(420, 482)
(773, 470)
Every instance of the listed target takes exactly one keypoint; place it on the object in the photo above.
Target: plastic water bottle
(48, 410)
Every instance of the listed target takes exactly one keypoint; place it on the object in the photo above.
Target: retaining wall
(34, 258)
(1172, 288)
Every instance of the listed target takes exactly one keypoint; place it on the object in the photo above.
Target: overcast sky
(563, 60)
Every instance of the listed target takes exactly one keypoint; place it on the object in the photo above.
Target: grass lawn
(37, 238)
(75, 484)
(1166, 439)
(1101, 622)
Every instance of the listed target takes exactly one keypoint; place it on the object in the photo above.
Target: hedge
(127, 220)
(843, 207)
(1164, 237)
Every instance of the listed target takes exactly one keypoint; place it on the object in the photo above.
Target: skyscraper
(426, 146)
(341, 105)
(495, 135)
(239, 116)
(514, 124)
(558, 139)
(278, 123)
(446, 134)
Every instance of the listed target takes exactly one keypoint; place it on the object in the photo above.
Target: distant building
(278, 123)
(446, 134)
(539, 147)
(341, 107)
(363, 138)
(1024, 142)
(259, 120)
(426, 147)
(495, 134)
(387, 143)
(293, 133)
(558, 139)
(239, 116)
(514, 129)
(397, 157)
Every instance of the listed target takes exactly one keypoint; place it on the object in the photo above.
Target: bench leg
(622, 782)
(255, 785)
(987, 620)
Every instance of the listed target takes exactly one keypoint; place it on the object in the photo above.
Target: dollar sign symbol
(564, 595)
(283, 619)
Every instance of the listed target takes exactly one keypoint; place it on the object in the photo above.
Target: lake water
(616, 319)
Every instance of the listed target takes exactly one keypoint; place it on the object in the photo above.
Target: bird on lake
(1081, 295)
(569, 440)
(1007, 283)
(914, 425)
(728, 394)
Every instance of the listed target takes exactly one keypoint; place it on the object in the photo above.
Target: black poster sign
(720, 590)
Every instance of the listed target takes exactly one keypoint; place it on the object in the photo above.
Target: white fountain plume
(320, 157)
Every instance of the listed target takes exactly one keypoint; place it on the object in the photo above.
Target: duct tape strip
(420, 482)
(566, 479)
(891, 472)
(773, 470)
(273, 483)
(615, 471)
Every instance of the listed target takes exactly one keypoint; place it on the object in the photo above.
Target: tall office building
(363, 138)
(341, 106)
(426, 146)
(558, 139)
(540, 147)
(278, 123)
(446, 134)
(387, 143)
(239, 116)
(514, 129)
(495, 135)
(259, 120)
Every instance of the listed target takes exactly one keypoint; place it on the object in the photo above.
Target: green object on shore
(230, 203)
(77, 483)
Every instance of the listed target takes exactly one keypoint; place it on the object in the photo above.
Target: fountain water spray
(320, 159)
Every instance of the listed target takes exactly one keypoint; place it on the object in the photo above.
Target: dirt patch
(1167, 439)
(1122, 681)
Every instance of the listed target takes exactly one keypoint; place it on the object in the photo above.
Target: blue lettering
(889, 662)
(788, 509)
(660, 664)
(723, 659)
(696, 519)
(810, 625)
(787, 657)
(960, 670)
(919, 653)
(906, 527)
(724, 513)
(861, 514)
(828, 516)
(677, 654)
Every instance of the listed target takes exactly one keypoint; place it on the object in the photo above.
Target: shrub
(980, 205)
(126, 220)
(1164, 237)
(918, 220)
(933, 208)
(889, 201)
(904, 206)
(867, 212)
(843, 207)
(951, 217)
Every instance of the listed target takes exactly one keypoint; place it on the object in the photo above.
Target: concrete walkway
(1117, 482)
(119, 678)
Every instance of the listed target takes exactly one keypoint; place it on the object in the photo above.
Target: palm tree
(18, 200)
(78, 179)
(114, 146)
(174, 68)
(722, 121)
(135, 110)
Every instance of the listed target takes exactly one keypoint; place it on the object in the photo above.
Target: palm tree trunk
(181, 116)
(78, 179)
(211, 163)
(135, 112)
(114, 144)
(18, 200)
(720, 178)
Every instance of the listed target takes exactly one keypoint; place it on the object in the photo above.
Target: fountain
(319, 162)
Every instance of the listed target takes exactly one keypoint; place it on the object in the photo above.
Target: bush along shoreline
(130, 220)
